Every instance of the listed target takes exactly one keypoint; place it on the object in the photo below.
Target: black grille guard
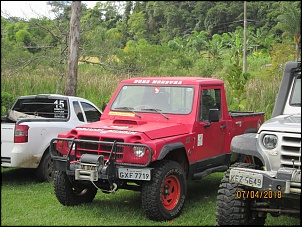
(115, 147)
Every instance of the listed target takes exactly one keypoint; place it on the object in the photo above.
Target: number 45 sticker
(59, 104)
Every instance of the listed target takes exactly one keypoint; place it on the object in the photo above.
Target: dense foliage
(131, 38)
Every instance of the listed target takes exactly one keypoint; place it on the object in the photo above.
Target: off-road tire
(231, 210)
(164, 196)
(45, 170)
(72, 193)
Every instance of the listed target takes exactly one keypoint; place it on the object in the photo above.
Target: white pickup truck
(31, 123)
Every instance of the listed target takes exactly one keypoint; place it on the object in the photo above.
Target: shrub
(7, 100)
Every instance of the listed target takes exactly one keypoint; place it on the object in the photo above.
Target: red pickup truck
(154, 135)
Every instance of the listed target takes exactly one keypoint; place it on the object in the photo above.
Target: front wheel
(234, 210)
(164, 196)
(71, 193)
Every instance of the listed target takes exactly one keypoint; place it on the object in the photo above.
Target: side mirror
(213, 115)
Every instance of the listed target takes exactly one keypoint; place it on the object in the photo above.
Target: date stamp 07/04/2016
(266, 194)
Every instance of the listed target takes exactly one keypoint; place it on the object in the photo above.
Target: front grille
(89, 146)
(291, 150)
(118, 155)
(101, 148)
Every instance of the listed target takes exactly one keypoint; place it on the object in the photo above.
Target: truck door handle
(238, 123)
(222, 126)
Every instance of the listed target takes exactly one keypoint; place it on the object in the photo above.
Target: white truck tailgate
(7, 140)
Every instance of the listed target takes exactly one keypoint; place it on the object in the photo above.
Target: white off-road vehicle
(272, 182)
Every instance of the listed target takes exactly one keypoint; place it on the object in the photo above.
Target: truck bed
(234, 114)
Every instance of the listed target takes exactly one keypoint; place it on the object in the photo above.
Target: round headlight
(138, 151)
(270, 141)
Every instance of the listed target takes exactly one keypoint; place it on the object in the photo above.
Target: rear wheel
(45, 170)
(232, 209)
(164, 196)
(71, 193)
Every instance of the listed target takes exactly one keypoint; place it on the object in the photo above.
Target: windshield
(165, 99)
(296, 93)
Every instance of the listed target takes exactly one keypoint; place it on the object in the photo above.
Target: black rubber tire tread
(151, 191)
(231, 210)
(45, 170)
(72, 194)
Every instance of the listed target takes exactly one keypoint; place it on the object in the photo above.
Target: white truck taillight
(21, 134)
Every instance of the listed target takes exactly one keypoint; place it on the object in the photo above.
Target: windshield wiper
(128, 108)
(157, 111)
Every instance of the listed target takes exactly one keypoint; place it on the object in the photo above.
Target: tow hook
(113, 190)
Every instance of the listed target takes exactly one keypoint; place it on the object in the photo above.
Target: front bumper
(101, 167)
(286, 180)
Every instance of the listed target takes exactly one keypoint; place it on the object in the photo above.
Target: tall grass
(26, 202)
(97, 86)
(261, 94)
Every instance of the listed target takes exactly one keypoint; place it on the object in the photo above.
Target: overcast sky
(30, 9)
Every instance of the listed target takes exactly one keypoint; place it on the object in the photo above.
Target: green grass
(26, 202)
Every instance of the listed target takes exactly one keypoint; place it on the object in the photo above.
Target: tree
(73, 47)
(290, 24)
(137, 26)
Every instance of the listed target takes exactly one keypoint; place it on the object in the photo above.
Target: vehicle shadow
(204, 188)
(199, 193)
(18, 176)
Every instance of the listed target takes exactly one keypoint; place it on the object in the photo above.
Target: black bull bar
(103, 162)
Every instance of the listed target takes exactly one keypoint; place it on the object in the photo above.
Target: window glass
(92, 114)
(42, 107)
(167, 99)
(296, 93)
(210, 100)
(78, 111)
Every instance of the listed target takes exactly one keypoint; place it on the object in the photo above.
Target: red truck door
(210, 139)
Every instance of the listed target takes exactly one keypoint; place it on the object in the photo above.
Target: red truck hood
(154, 130)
